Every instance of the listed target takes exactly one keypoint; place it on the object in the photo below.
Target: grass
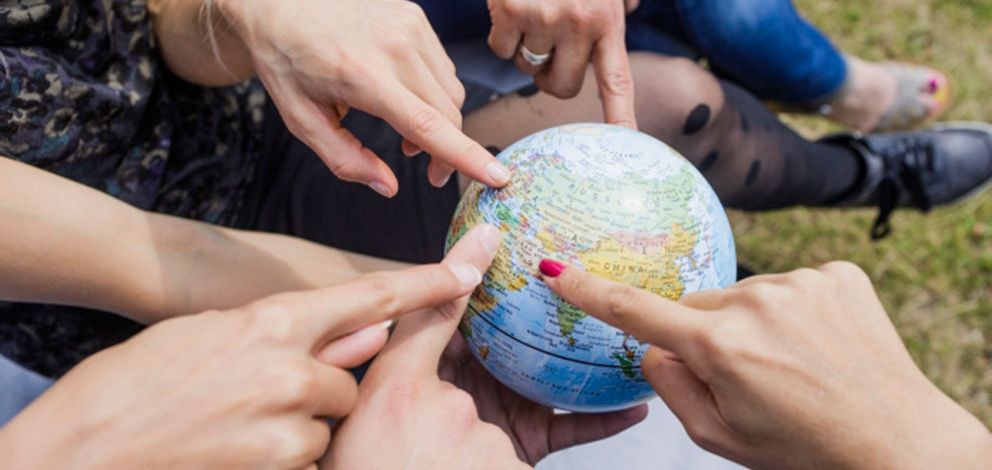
(934, 273)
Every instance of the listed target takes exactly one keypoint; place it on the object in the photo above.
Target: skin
(438, 409)
(70, 244)
(577, 33)
(221, 382)
(796, 370)
(317, 60)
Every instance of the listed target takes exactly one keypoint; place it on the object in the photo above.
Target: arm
(68, 244)
(794, 370)
(198, 44)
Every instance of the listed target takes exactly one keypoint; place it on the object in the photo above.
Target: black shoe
(941, 165)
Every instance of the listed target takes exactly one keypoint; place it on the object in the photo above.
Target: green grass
(934, 273)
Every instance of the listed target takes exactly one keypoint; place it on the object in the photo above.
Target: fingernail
(380, 188)
(498, 172)
(373, 329)
(933, 84)
(551, 268)
(490, 238)
(466, 273)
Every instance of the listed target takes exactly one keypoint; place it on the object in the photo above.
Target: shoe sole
(968, 126)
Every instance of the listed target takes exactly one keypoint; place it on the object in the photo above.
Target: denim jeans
(18, 388)
(763, 45)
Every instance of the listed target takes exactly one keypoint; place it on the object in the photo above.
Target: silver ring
(532, 58)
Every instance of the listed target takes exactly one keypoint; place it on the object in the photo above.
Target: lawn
(934, 273)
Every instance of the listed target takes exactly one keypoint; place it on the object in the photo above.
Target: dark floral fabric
(84, 94)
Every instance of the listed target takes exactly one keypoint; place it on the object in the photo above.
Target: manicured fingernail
(466, 273)
(551, 268)
(933, 84)
(498, 172)
(380, 188)
(490, 238)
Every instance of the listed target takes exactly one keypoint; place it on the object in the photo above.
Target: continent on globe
(614, 202)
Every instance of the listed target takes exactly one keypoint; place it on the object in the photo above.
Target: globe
(612, 201)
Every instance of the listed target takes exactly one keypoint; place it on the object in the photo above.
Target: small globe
(614, 202)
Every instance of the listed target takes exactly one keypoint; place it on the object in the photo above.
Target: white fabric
(657, 443)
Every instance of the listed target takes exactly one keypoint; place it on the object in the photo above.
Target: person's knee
(676, 97)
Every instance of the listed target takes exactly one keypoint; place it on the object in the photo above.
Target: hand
(575, 32)
(249, 387)
(535, 430)
(406, 416)
(317, 58)
(791, 370)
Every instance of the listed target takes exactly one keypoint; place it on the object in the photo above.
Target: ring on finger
(532, 58)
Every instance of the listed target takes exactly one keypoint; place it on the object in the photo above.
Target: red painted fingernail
(934, 85)
(551, 268)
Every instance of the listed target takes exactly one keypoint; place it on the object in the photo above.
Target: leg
(752, 160)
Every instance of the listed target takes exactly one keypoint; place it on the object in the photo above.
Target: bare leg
(752, 160)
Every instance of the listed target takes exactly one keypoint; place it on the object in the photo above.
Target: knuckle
(383, 290)
(298, 384)
(270, 320)
(703, 434)
(291, 445)
(622, 302)
(425, 122)
(461, 409)
(845, 271)
(617, 82)
(515, 8)
(344, 168)
(761, 297)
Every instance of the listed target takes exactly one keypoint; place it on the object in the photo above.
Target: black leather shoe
(941, 165)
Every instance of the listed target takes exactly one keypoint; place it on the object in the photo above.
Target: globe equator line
(559, 356)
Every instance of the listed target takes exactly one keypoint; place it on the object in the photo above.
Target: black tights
(753, 160)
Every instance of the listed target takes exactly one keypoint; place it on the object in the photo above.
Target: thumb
(421, 337)
(688, 397)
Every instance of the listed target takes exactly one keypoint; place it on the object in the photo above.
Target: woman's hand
(406, 416)
(791, 370)
(535, 430)
(248, 387)
(574, 33)
(317, 58)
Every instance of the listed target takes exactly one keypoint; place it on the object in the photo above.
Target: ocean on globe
(615, 202)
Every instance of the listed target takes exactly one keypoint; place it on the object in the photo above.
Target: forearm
(65, 243)
(224, 268)
(198, 44)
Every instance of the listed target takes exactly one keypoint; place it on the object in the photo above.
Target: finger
(689, 399)
(572, 429)
(616, 84)
(504, 37)
(539, 40)
(354, 349)
(323, 315)
(649, 317)
(426, 127)
(319, 433)
(336, 389)
(340, 150)
(564, 74)
(409, 149)
(432, 92)
(420, 338)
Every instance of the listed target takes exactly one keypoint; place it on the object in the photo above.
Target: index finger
(429, 129)
(649, 317)
(616, 83)
(420, 338)
(323, 315)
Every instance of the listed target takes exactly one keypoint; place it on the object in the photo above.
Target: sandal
(907, 111)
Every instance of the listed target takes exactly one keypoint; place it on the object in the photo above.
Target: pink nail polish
(551, 268)
(933, 84)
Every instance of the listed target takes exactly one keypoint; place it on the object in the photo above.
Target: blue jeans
(763, 45)
(18, 388)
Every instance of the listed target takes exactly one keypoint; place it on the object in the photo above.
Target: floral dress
(84, 94)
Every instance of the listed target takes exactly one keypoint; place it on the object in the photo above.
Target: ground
(934, 273)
